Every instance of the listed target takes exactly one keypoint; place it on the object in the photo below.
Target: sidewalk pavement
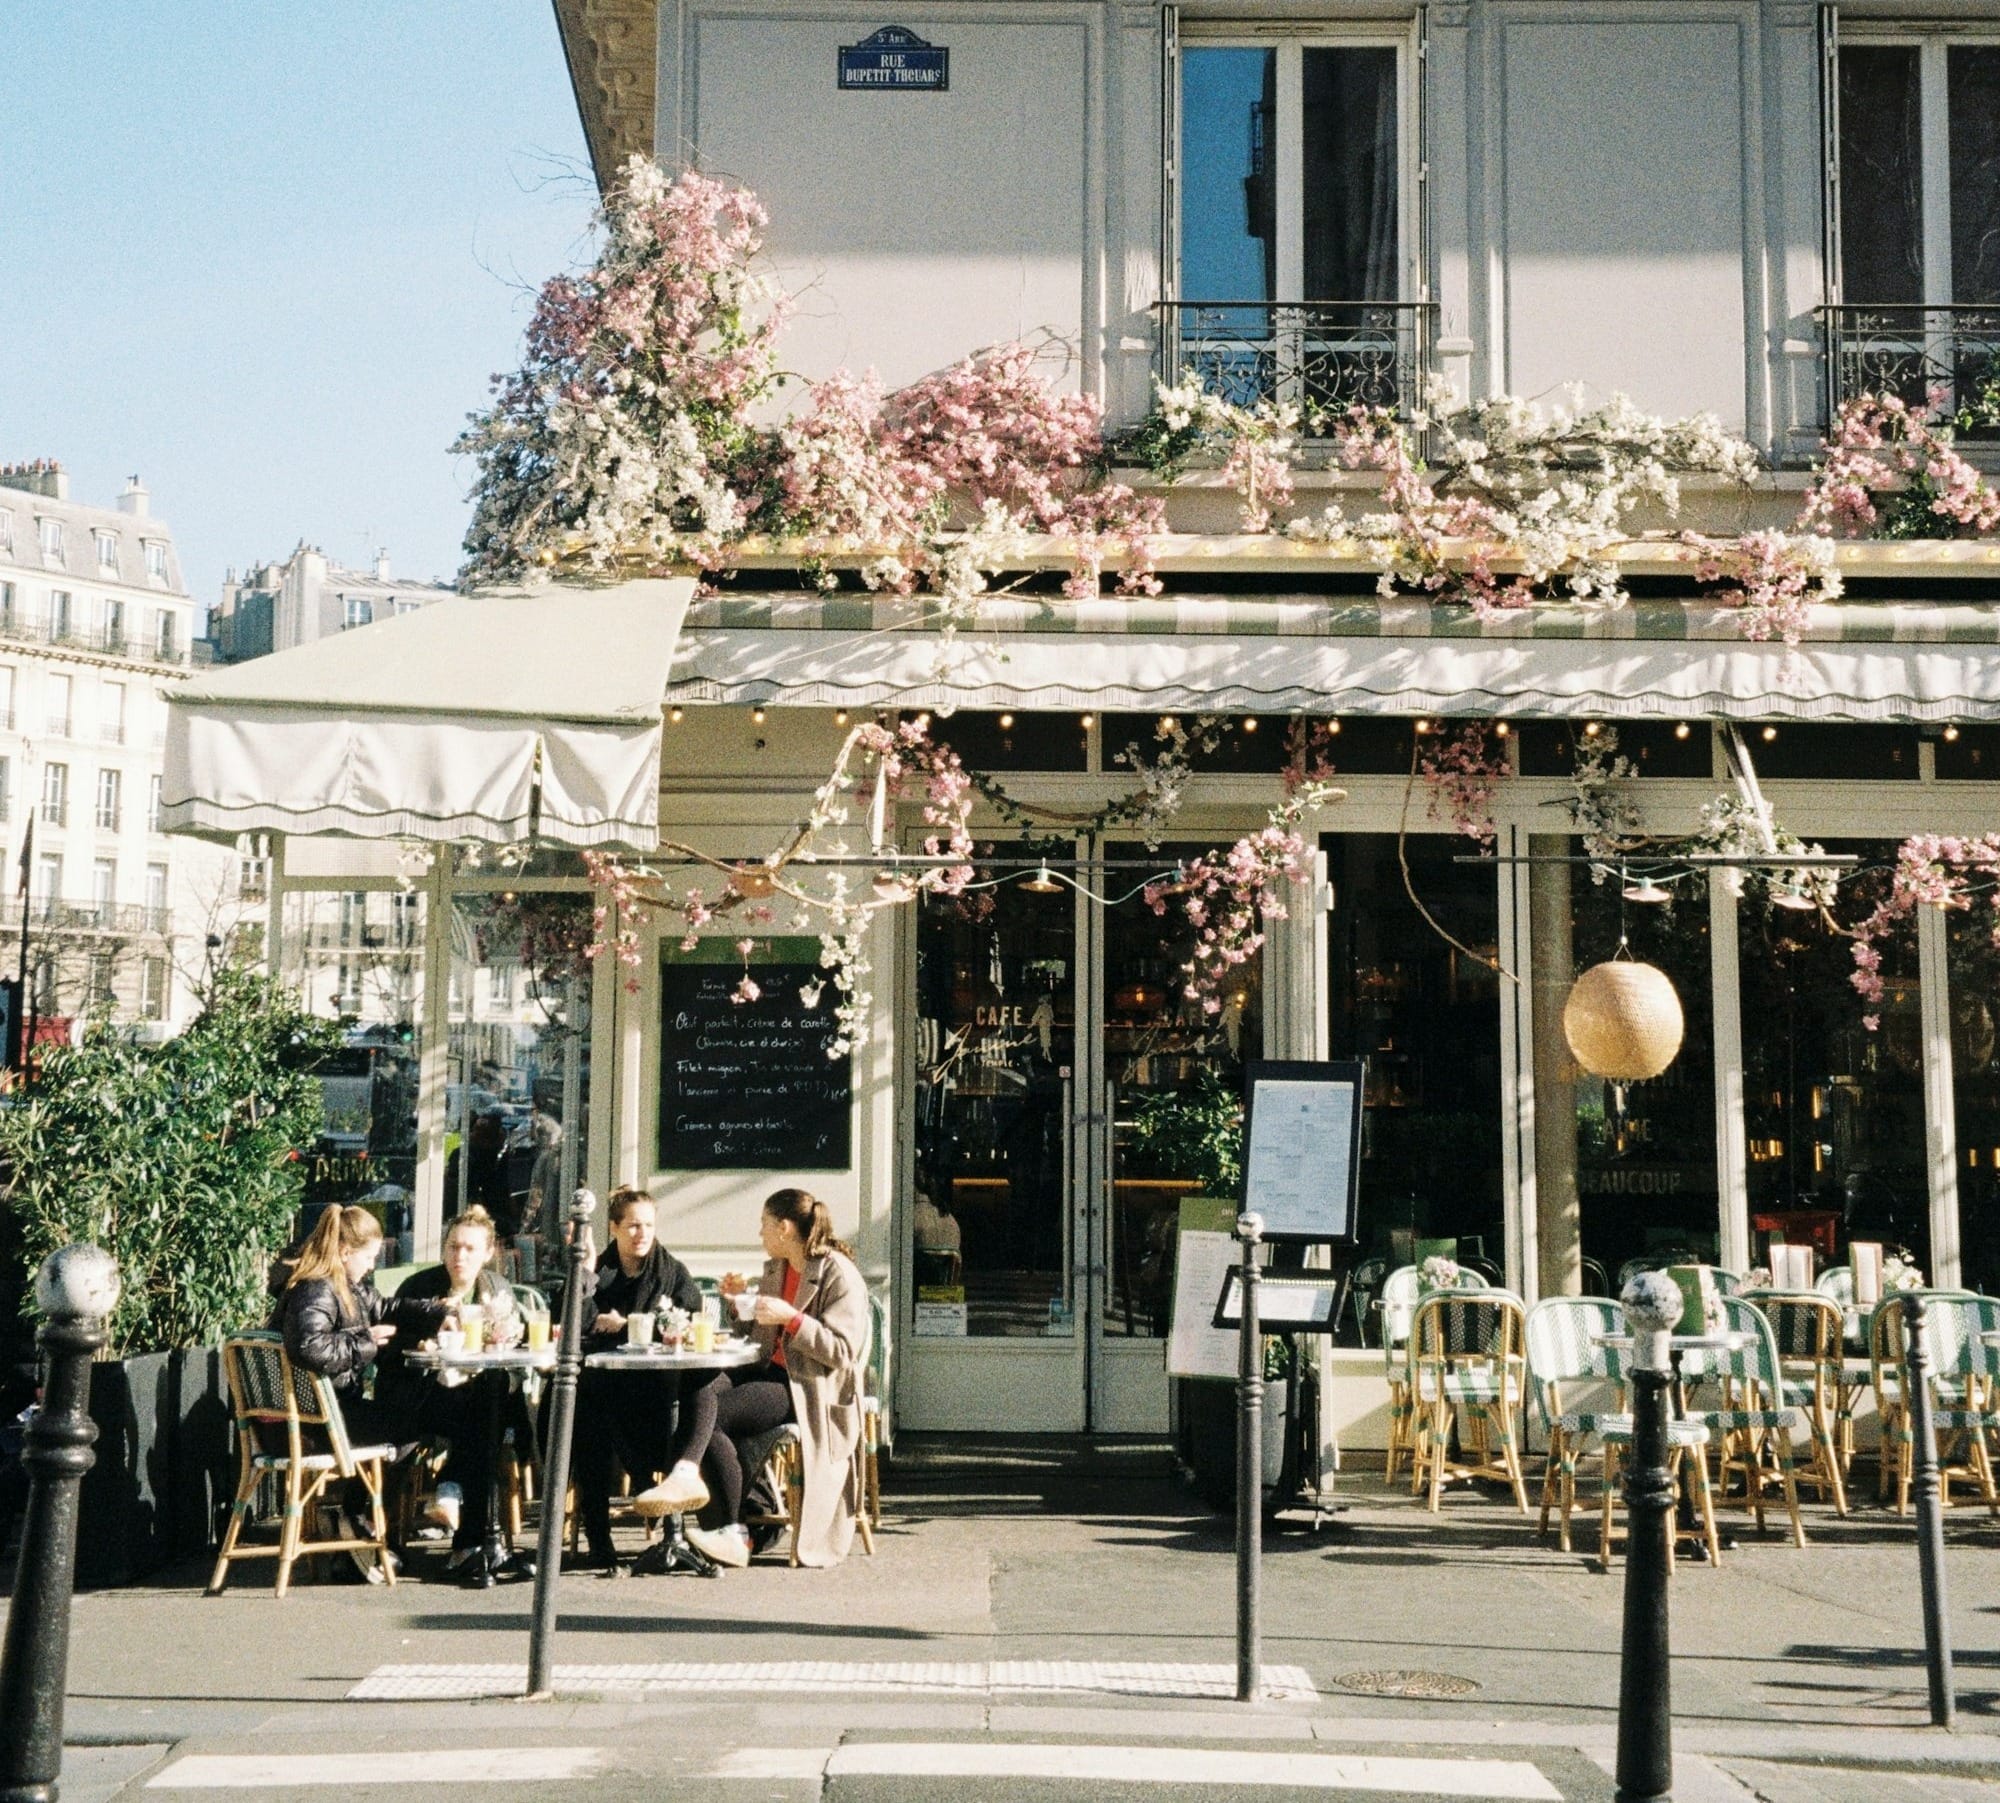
(1039, 1598)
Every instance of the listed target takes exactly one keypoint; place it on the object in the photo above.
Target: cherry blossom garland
(1932, 871)
(1463, 770)
(1889, 469)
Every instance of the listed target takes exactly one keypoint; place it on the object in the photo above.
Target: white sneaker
(680, 1492)
(445, 1506)
(726, 1546)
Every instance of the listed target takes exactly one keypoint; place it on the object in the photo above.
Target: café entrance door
(1061, 1091)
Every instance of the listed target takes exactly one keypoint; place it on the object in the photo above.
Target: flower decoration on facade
(1602, 804)
(1932, 871)
(1462, 767)
(1889, 470)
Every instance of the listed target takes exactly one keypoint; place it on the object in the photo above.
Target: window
(104, 887)
(165, 636)
(1291, 204)
(114, 627)
(6, 787)
(56, 706)
(253, 876)
(111, 712)
(153, 989)
(156, 560)
(55, 795)
(52, 540)
(6, 531)
(60, 615)
(107, 551)
(154, 806)
(6, 697)
(356, 610)
(110, 799)
(6, 602)
(156, 897)
(48, 878)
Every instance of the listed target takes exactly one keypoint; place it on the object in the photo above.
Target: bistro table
(673, 1551)
(496, 1557)
(1678, 1346)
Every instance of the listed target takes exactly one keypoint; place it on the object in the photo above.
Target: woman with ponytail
(812, 1329)
(336, 1322)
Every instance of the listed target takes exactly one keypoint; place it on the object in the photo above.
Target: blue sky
(267, 255)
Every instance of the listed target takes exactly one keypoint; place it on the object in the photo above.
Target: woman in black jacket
(628, 1413)
(336, 1322)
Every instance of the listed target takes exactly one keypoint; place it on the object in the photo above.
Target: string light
(1682, 730)
(676, 715)
(1087, 721)
(1501, 729)
(1769, 733)
(1043, 882)
(757, 716)
(1951, 734)
(840, 716)
(1249, 722)
(1591, 728)
(1006, 722)
(1333, 726)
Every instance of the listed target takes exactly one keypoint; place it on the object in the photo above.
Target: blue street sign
(895, 58)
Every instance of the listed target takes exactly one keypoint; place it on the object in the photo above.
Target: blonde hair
(477, 1218)
(337, 1232)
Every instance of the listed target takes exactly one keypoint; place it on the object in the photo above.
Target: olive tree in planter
(180, 1160)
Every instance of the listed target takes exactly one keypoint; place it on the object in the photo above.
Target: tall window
(1920, 173)
(55, 795)
(156, 560)
(114, 626)
(110, 799)
(60, 614)
(111, 712)
(107, 551)
(156, 897)
(56, 698)
(52, 539)
(48, 879)
(166, 636)
(6, 600)
(6, 531)
(356, 610)
(154, 806)
(6, 788)
(153, 989)
(104, 887)
(6, 697)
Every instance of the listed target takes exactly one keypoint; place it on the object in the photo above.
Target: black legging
(732, 1406)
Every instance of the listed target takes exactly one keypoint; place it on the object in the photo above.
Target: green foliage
(177, 1159)
(1194, 1133)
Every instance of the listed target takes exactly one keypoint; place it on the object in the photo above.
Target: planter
(162, 1465)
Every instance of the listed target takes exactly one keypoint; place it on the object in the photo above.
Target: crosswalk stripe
(430, 1765)
(884, 1677)
(1497, 1778)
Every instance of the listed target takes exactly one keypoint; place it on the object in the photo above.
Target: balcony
(125, 919)
(1320, 356)
(1936, 358)
(109, 641)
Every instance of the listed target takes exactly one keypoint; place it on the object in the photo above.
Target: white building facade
(275, 606)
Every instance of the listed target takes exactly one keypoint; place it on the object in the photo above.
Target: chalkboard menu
(748, 1086)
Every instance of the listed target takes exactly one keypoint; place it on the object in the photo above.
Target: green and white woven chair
(1965, 1392)
(288, 1424)
(1744, 1411)
(1396, 1309)
(1563, 1335)
(1467, 1359)
(1809, 1331)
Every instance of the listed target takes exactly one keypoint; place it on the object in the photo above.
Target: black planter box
(162, 1465)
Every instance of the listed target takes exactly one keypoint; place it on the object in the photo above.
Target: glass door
(998, 1257)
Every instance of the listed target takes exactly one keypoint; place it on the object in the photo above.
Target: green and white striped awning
(1858, 661)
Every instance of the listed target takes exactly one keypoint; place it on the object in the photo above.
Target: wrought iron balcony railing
(91, 917)
(1321, 356)
(1938, 359)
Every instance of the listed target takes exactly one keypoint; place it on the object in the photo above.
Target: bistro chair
(1564, 1335)
(1746, 1417)
(1466, 1354)
(1965, 1389)
(1809, 1331)
(1397, 1308)
(268, 1393)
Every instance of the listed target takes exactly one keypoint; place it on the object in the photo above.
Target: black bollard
(1930, 1507)
(75, 1290)
(555, 1456)
(1249, 1471)
(1652, 1304)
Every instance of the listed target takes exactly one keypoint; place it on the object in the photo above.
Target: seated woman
(456, 1413)
(627, 1413)
(812, 1329)
(336, 1324)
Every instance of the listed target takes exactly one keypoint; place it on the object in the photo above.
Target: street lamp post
(1652, 1303)
(1925, 1487)
(75, 1290)
(1249, 1470)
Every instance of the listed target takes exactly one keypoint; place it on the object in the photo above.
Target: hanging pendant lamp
(1623, 1021)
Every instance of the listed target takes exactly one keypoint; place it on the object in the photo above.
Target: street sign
(895, 58)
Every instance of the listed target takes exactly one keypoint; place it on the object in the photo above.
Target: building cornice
(612, 48)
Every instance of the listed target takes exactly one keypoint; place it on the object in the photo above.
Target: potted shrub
(179, 1160)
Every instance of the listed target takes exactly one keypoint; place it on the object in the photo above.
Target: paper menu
(1864, 1258)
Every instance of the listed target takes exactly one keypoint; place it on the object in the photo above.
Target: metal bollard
(1249, 1471)
(75, 1290)
(1652, 1303)
(555, 1456)
(1930, 1507)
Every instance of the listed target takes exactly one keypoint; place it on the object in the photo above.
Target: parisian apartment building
(305, 597)
(96, 628)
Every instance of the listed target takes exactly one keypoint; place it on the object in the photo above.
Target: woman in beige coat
(812, 1328)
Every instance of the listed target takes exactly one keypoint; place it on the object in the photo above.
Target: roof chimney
(42, 476)
(382, 564)
(134, 500)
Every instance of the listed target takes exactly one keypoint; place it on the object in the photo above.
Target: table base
(672, 1552)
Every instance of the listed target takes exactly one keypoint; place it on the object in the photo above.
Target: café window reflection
(1974, 966)
(1833, 1113)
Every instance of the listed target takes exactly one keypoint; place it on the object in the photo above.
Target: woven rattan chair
(1563, 1337)
(1466, 1355)
(1809, 1331)
(1745, 1412)
(1965, 1393)
(288, 1423)
(1396, 1309)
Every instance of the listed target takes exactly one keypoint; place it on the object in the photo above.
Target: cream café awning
(497, 716)
(1861, 661)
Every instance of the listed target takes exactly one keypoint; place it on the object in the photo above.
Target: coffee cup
(746, 1305)
(639, 1329)
(451, 1339)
